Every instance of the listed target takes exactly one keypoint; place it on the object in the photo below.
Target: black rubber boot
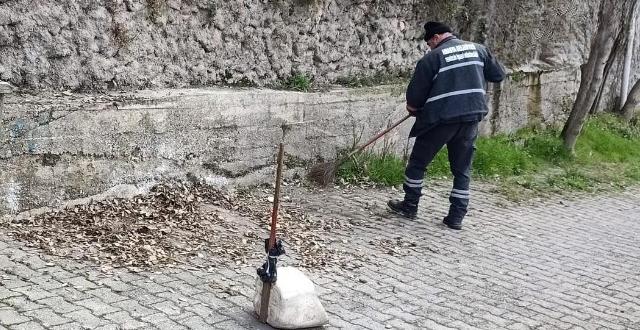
(452, 223)
(403, 208)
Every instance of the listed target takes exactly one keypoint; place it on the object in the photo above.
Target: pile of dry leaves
(177, 223)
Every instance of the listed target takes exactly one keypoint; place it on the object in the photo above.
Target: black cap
(433, 28)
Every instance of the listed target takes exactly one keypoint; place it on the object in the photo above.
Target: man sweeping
(447, 96)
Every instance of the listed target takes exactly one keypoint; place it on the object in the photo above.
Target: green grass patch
(384, 169)
(376, 79)
(607, 155)
(298, 82)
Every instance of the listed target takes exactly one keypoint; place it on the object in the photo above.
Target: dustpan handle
(373, 139)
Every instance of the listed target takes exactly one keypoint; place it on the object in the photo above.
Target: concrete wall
(61, 146)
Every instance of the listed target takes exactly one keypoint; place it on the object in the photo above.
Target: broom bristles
(323, 173)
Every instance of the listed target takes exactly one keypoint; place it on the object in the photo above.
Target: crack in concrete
(51, 120)
(68, 153)
(216, 169)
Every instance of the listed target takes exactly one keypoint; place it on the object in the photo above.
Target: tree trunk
(632, 107)
(628, 56)
(613, 18)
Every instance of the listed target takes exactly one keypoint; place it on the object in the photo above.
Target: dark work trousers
(459, 139)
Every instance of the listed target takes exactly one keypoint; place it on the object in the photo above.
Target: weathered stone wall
(159, 43)
(100, 44)
(167, 43)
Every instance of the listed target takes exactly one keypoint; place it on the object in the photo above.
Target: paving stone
(161, 278)
(69, 326)
(47, 317)
(124, 320)
(210, 299)
(200, 310)
(168, 308)
(462, 326)
(336, 322)
(143, 296)
(196, 323)
(184, 315)
(216, 318)
(71, 294)
(191, 279)
(161, 321)
(23, 272)
(22, 303)
(47, 282)
(86, 318)
(10, 317)
(27, 326)
(58, 305)
(33, 292)
(59, 273)
(518, 326)
(97, 306)
(117, 285)
(6, 263)
(176, 298)
(6, 293)
(109, 327)
(429, 324)
(81, 283)
(367, 323)
(400, 324)
(14, 283)
(129, 277)
(150, 286)
(106, 295)
(228, 325)
(183, 288)
(134, 308)
(397, 312)
(34, 262)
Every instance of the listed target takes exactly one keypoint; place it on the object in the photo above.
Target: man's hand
(412, 111)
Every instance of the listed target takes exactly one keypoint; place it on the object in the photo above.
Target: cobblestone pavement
(552, 264)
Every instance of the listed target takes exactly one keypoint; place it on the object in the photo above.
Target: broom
(324, 173)
(266, 286)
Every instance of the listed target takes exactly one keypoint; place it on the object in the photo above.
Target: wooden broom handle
(276, 199)
(266, 287)
(373, 139)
